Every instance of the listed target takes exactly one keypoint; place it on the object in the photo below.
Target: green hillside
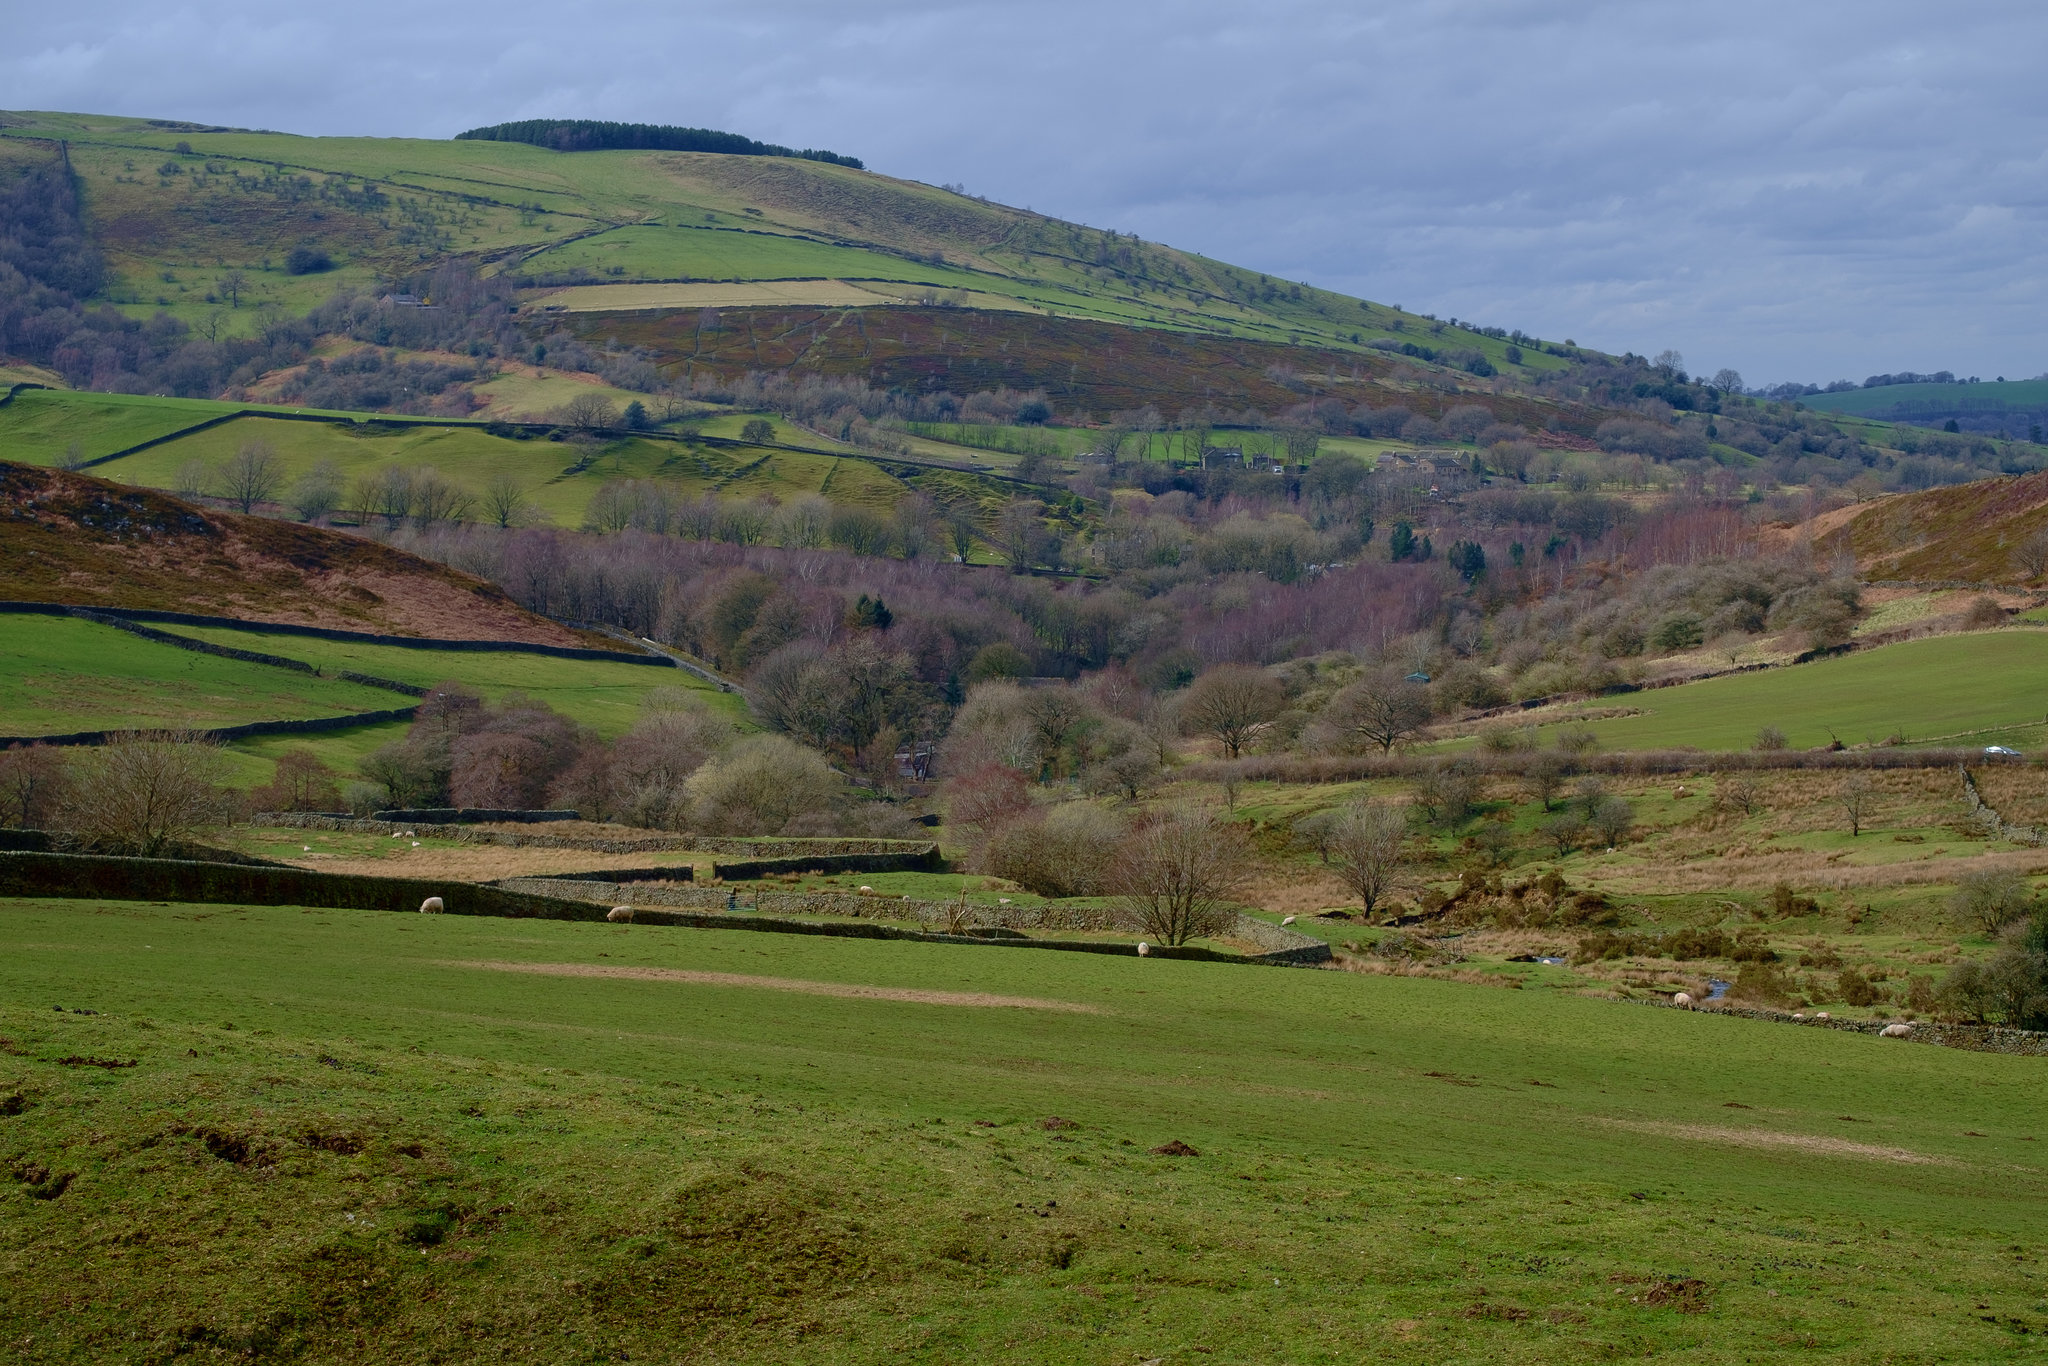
(1978, 688)
(174, 222)
(559, 478)
(66, 675)
(597, 693)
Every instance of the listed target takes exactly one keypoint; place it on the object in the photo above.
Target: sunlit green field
(597, 693)
(352, 1135)
(1921, 690)
(59, 675)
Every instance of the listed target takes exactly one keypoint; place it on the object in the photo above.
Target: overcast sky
(1805, 190)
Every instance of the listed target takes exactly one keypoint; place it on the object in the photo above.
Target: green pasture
(340, 1128)
(604, 696)
(1988, 396)
(559, 476)
(1925, 690)
(59, 675)
(661, 252)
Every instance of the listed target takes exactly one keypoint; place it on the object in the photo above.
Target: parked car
(2001, 752)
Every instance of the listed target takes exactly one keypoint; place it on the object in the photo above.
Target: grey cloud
(1797, 190)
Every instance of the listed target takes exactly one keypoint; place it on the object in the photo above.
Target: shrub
(1855, 989)
(1982, 615)
(1445, 792)
(1066, 851)
(761, 786)
(1763, 984)
(1678, 631)
(1577, 740)
(1770, 739)
(307, 261)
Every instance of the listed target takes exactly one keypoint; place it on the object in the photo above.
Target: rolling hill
(175, 207)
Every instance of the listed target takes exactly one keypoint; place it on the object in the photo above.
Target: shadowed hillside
(73, 539)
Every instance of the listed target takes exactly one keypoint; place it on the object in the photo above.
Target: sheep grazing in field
(867, 889)
(1896, 1031)
(432, 906)
(1286, 920)
(620, 915)
(1683, 1000)
(1823, 1016)
(1144, 949)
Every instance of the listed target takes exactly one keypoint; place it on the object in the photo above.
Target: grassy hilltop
(176, 206)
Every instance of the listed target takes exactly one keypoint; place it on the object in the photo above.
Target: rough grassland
(595, 692)
(340, 1142)
(1953, 685)
(63, 675)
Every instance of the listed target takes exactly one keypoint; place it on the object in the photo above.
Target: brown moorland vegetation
(1093, 366)
(87, 542)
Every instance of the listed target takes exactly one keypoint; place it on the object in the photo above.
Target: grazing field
(64, 675)
(40, 425)
(599, 694)
(319, 1133)
(559, 478)
(1910, 400)
(1952, 687)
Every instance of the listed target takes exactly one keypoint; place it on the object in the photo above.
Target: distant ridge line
(592, 135)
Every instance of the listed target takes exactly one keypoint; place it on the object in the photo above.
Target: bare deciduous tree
(2032, 554)
(589, 412)
(1857, 798)
(317, 492)
(251, 475)
(1383, 709)
(1179, 876)
(1990, 901)
(1740, 792)
(436, 498)
(505, 503)
(1232, 702)
(1365, 839)
(150, 792)
(35, 783)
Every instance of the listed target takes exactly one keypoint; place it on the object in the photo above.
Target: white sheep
(1683, 1000)
(1286, 920)
(1823, 1016)
(1797, 1015)
(432, 906)
(1144, 949)
(1896, 1031)
(620, 915)
(867, 889)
